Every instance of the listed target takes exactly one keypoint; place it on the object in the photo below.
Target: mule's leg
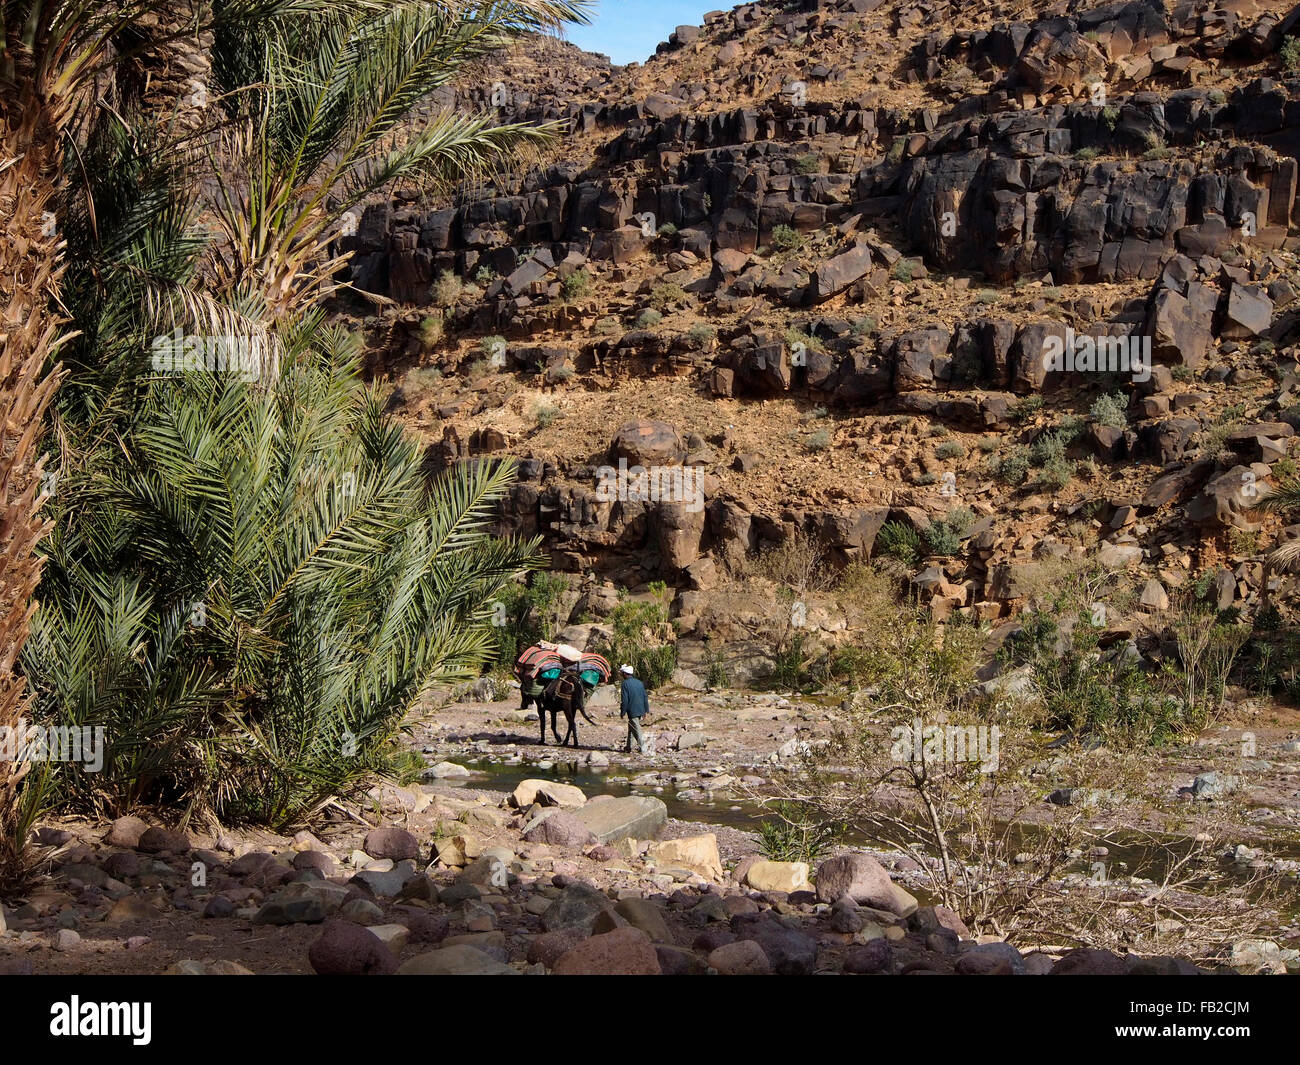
(541, 720)
(555, 713)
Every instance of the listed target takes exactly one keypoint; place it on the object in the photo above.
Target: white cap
(625, 669)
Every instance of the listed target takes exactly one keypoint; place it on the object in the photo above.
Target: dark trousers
(634, 733)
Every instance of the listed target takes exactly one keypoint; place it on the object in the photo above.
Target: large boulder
(634, 817)
(622, 952)
(457, 960)
(394, 843)
(839, 272)
(777, 876)
(577, 907)
(647, 442)
(864, 880)
(560, 828)
(697, 853)
(546, 793)
(347, 949)
(1180, 332)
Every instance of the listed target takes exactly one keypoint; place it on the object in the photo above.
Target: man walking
(635, 706)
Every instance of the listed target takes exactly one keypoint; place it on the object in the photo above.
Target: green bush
(795, 835)
(785, 238)
(1111, 411)
(576, 285)
(261, 590)
(447, 289)
(950, 449)
(666, 295)
(525, 612)
(808, 163)
(649, 318)
(1290, 54)
(944, 536)
(1013, 468)
(898, 540)
(1025, 409)
(643, 637)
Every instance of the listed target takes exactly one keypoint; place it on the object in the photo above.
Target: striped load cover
(597, 662)
(534, 660)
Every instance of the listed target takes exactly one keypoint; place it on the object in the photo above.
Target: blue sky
(628, 30)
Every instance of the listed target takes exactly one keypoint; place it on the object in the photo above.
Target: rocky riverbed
(498, 863)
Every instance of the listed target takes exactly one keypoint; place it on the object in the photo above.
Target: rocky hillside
(817, 255)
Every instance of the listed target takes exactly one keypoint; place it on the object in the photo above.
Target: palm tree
(56, 58)
(253, 597)
(1283, 558)
(316, 108)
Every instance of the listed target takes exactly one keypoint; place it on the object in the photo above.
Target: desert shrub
(544, 414)
(1086, 155)
(808, 163)
(700, 333)
(607, 325)
(484, 276)
(898, 540)
(430, 333)
(785, 238)
(576, 285)
(950, 449)
(649, 318)
(1055, 473)
(447, 289)
(643, 637)
(666, 294)
(795, 834)
(903, 270)
(1289, 53)
(1012, 468)
(798, 564)
(1111, 411)
(944, 536)
(1024, 409)
(795, 337)
(863, 326)
(423, 377)
(818, 441)
(668, 230)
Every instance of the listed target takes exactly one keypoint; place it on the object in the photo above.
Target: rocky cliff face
(850, 262)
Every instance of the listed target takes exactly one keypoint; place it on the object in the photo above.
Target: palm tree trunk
(29, 332)
(171, 73)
